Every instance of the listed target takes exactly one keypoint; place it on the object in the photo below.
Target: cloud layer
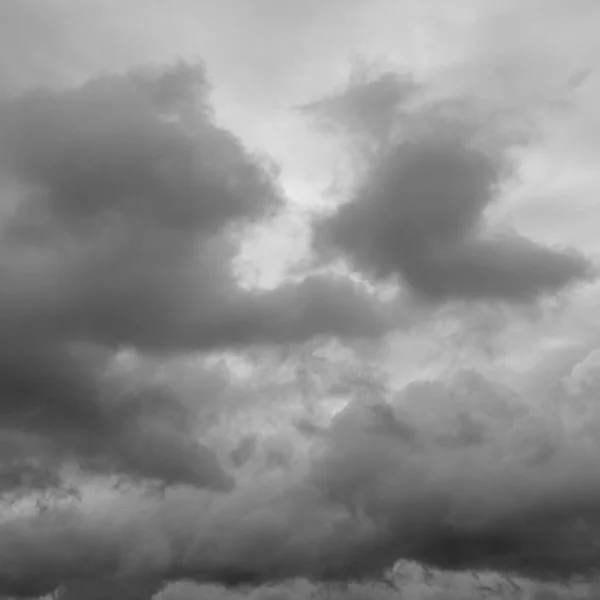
(458, 474)
(258, 461)
(123, 205)
(431, 170)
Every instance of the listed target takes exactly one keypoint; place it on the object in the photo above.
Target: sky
(299, 299)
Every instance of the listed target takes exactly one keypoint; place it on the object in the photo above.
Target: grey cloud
(418, 213)
(485, 481)
(118, 144)
(127, 194)
(60, 408)
(124, 201)
(107, 589)
(367, 111)
(25, 473)
(244, 451)
(457, 474)
(294, 590)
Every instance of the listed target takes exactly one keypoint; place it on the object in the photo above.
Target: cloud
(367, 110)
(124, 205)
(60, 408)
(409, 581)
(294, 590)
(106, 589)
(459, 474)
(127, 194)
(432, 168)
(111, 146)
(464, 474)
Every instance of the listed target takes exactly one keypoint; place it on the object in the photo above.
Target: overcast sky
(322, 276)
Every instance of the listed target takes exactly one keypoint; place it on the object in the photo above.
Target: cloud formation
(123, 205)
(431, 170)
(457, 474)
(59, 408)
(126, 191)
(124, 202)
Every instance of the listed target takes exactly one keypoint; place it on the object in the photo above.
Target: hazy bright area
(299, 299)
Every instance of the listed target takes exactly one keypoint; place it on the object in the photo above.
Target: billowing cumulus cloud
(460, 473)
(125, 191)
(123, 201)
(174, 421)
(431, 171)
(60, 408)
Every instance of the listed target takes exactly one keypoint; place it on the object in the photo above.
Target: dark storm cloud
(126, 195)
(58, 407)
(122, 202)
(418, 213)
(459, 473)
(110, 147)
(107, 589)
